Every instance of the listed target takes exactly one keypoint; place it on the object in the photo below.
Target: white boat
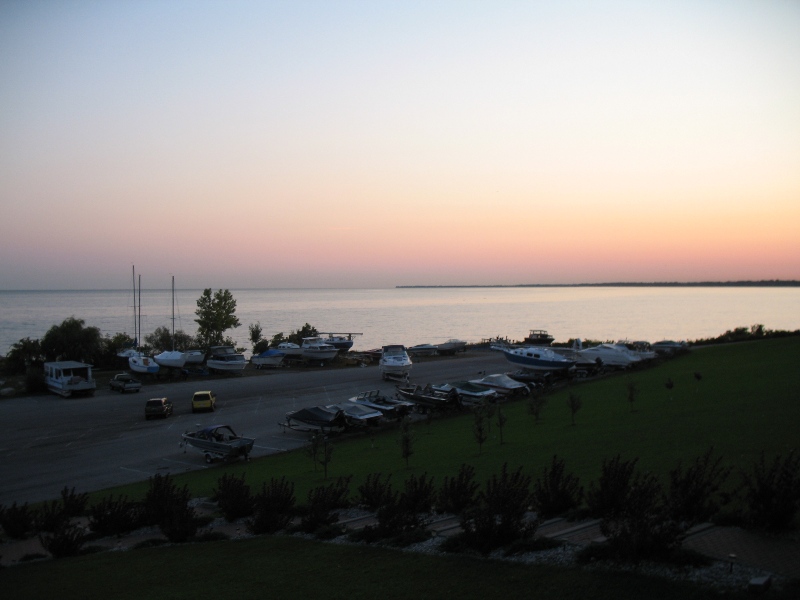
(637, 350)
(143, 364)
(451, 346)
(172, 359)
(69, 377)
(225, 358)
(195, 356)
(537, 358)
(503, 384)
(289, 349)
(394, 362)
(606, 355)
(268, 358)
(342, 341)
(422, 350)
(315, 349)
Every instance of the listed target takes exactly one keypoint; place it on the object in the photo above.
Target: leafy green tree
(72, 341)
(296, 337)
(161, 339)
(278, 338)
(23, 354)
(215, 315)
(256, 334)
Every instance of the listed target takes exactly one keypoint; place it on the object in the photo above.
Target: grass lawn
(746, 402)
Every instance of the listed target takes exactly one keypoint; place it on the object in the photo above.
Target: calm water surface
(424, 315)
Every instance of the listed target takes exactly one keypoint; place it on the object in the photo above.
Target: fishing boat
(426, 399)
(539, 337)
(218, 442)
(225, 358)
(268, 358)
(394, 362)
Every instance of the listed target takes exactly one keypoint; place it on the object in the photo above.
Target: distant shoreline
(763, 283)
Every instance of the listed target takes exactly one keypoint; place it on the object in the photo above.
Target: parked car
(123, 382)
(157, 407)
(205, 400)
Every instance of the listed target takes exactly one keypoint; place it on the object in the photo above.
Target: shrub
(374, 492)
(110, 516)
(556, 491)
(51, 516)
(322, 501)
(162, 499)
(273, 507)
(458, 493)
(641, 527)
(178, 523)
(233, 497)
(610, 494)
(16, 520)
(418, 495)
(772, 491)
(74, 504)
(498, 519)
(66, 540)
(693, 493)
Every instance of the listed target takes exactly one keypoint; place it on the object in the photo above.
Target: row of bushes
(641, 518)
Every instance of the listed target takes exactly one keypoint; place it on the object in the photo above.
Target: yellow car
(205, 400)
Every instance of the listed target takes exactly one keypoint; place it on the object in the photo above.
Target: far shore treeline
(761, 283)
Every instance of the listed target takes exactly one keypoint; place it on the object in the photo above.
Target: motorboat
(315, 349)
(358, 415)
(606, 355)
(503, 384)
(468, 392)
(315, 418)
(225, 358)
(392, 408)
(537, 358)
(539, 337)
(394, 362)
(143, 364)
(268, 358)
(451, 346)
(668, 347)
(69, 377)
(218, 442)
(171, 359)
(422, 350)
(426, 398)
(290, 350)
(195, 356)
(341, 341)
(637, 350)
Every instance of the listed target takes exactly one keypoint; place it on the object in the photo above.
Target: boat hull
(172, 360)
(536, 359)
(143, 364)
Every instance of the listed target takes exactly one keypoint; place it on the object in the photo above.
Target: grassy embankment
(747, 402)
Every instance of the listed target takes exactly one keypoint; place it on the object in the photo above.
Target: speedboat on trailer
(218, 441)
(503, 384)
(268, 358)
(315, 418)
(392, 408)
(537, 358)
(358, 415)
(395, 362)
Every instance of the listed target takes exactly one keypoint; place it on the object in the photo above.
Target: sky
(305, 144)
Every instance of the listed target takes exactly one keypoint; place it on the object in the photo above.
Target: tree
(256, 334)
(215, 315)
(479, 427)
(23, 354)
(406, 439)
(72, 341)
(632, 392)
(296, 337)
(161, 339)
(536, 404)
(501, 422)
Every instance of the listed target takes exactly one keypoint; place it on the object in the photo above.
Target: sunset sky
(377, 143)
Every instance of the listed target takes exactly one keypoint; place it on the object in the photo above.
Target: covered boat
(315, 418)
(392, 408)
(428, 399)
(503, 384)
(171, 359)
(268, 358)
(218, 441)
(358, 415)
(468, 392)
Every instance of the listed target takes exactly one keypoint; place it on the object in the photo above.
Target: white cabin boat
(289, 349)
(69, 377)
(225, 358)
(394, 362)
(315, 349)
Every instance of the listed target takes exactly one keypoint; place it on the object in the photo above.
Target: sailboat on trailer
(140, 363)
(173, 359)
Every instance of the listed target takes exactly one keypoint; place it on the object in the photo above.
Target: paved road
(103, 441)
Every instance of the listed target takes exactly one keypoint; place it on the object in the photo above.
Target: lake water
(425, 315)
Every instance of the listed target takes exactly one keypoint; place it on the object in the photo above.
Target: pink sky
(380, 144)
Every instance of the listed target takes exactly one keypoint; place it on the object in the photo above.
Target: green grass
(747, 402)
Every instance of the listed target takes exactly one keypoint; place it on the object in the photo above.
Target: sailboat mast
(173, 313)
(133, 281)
(140, 305)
